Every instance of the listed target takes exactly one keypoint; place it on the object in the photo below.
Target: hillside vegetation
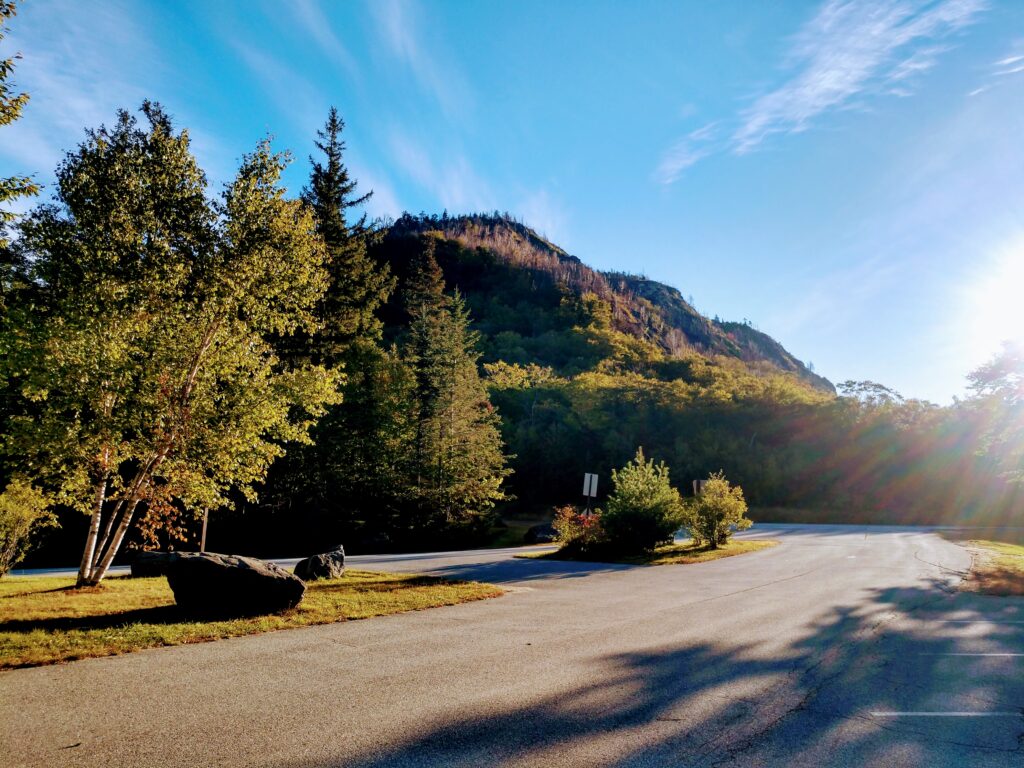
(313, 378)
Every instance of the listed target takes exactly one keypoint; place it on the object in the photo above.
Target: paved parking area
(843, 646)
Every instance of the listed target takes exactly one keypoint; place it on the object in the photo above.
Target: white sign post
(589, 487)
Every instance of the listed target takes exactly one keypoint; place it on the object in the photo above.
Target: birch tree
(149, 363)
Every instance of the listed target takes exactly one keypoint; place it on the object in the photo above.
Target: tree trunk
(95, 520)
(100, 570)
(96, 560)
(84, 570)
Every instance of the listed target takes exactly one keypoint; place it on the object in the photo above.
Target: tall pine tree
(358, 285)
(344, 481)
(457, 465)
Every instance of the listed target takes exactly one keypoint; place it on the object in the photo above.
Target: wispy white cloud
(831, 302)
(294, 97)
(384, 202)
(850, 48)
(451, 179)
(688, 150)
(402, 32)
(73, 80)
(1010, 64)
(77, 79)
(1009, 60)
(546, 214)
(315, 23)
(849, 52)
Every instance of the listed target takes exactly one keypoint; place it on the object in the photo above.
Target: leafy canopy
(644, 509)
(147, 361)
(717, 511)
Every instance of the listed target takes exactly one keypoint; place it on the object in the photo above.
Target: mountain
(518, 285)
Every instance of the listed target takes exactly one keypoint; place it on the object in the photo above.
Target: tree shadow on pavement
(839, 694)
(526, 569)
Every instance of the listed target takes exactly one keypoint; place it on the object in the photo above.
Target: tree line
(312, 377)
(162, 349)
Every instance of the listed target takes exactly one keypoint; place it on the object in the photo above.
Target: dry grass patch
(997, 568)
(43, 620)
(680, 553)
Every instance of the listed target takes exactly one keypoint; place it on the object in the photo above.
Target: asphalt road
(844, 646)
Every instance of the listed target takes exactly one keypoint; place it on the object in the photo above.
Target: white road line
(972, 654)
(947, 714)
(979, 621)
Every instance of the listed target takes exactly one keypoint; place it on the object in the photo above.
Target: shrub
(578, 533)
(24, 510)
(644, 509)
(717, 511)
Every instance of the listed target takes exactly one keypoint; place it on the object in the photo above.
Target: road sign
(589, 485)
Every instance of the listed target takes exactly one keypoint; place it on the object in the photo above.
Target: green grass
(998, 568)
(681, 553)
(44, 620)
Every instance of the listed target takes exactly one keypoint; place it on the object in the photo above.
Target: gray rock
(209, 584)
(544, 533)
(328, 565)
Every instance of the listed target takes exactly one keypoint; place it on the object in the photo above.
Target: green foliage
(457, 462)
(11, 105)
(716, 512)
(998, 406)
(146, 363)
(579, 533)
(24, 511)
(643, 510)
(345, 479)
(357, 285)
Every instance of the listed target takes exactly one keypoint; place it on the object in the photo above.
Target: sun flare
(993, 310)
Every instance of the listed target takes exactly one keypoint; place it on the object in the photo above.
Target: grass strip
(44, 620)
(997, 568)
(680, 553)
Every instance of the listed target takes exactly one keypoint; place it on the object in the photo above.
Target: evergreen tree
(345, 477)
(457, 462)
(11, 104)
(11, 187)
(358, 285)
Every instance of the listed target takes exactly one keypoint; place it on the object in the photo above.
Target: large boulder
(544, 533)
(328, 565)
(149, 564)
(209, 584)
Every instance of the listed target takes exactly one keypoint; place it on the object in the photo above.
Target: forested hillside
(583, 367)
(311, 377)
(516, 272)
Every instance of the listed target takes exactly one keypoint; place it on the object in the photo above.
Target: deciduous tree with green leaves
(717, 511)
(998, 408)
(148, 364)
(24, 511)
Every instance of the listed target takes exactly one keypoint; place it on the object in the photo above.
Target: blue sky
(847, 175)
